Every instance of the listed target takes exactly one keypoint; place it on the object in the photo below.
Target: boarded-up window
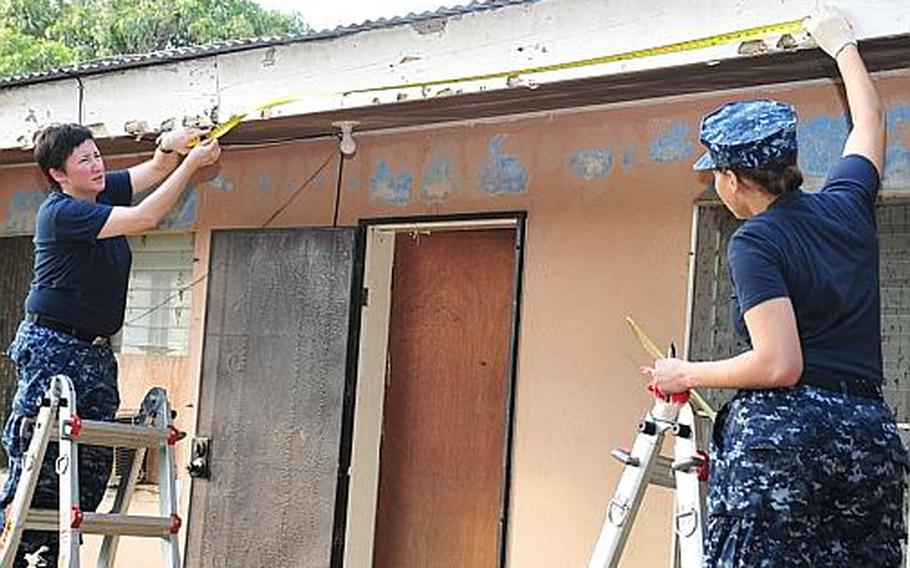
(158, 299)
(712, 335)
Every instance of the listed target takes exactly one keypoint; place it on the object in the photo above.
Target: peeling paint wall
(609, 196)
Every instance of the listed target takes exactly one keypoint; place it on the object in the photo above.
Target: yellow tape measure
(223, 128)
(652, 350)
(758, 32)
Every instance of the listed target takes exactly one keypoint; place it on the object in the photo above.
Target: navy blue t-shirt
(79, 279)
(821, 251)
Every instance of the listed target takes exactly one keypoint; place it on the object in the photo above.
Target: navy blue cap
(747, 134)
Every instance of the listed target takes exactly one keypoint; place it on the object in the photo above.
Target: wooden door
(445, 404)
(272, 398)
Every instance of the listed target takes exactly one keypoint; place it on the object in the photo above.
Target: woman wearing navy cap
(807, 466)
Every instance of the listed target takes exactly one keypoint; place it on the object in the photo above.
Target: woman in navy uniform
(807, 466)
(78, 295)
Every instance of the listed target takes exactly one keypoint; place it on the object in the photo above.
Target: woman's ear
(730, 180)
(58, 175)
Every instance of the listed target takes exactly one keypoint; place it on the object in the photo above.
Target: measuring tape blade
(791, 27)
(652, 349)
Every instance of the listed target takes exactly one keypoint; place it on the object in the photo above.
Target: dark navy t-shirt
(821, 251)
(79, 279)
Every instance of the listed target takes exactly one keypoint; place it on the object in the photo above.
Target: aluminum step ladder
(686, 473)
(57, 421)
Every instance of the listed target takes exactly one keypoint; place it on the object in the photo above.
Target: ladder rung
(126, 525)
(42, 520)
(104, 523)
(113, 434)
(662, 473)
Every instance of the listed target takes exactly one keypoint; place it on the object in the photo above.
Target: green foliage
(37, 35)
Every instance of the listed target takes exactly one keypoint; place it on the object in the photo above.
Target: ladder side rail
(167, 479)
(633, 482)
(16, 521)
(689, 502)
(70, 507)
(108, 554)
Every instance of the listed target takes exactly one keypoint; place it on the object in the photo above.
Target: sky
(321, 14)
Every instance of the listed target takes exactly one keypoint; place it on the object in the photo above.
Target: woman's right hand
(203, 154)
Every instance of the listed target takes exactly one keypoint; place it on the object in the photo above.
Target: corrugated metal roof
(194, 52)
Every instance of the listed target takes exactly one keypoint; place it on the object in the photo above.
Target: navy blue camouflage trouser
(805, 477)
(39, 354)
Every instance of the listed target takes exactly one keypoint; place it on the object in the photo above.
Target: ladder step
(128, 525)
(42, 520)
(113, 434)
(106, 523)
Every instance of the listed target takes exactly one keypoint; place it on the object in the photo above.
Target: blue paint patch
(821, 142)
(23, 207)
(897, 167)
(439, 180)
(897, 115)
(222, 184)
(590, 163)
(183, 214)
(265, 182)
(388, 188)
(897, 156)
(673, 144)
(503, 173)
(628, 158)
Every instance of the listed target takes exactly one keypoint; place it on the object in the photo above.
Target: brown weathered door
(443, 437)
(272, 398)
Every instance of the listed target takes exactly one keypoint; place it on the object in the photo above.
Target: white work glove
(830, 30)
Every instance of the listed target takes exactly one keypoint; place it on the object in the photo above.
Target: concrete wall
(609, 194)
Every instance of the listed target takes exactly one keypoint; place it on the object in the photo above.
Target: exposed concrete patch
(590, 163)
(439, 180)
(389, 188)
(269, 58)
(222, 184)
(821, 142)
(23, 207)
(136, 128)
(673, 143)
(434, 26)
(753, 47)
(503, 173)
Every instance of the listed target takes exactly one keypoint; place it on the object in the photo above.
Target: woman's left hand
(669, 376)
(178, 140)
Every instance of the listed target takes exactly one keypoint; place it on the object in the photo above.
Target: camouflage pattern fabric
(39, 354)
(805, 477)
(747, 135)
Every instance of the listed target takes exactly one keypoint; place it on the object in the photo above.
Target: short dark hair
(54, 144)
(777, 177)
